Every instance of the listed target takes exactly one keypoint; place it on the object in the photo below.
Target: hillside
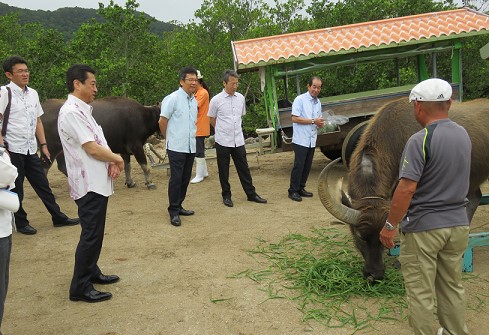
(68, 19)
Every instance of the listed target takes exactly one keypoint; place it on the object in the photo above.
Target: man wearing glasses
(225, 112)
(19, 132)
(177, 124)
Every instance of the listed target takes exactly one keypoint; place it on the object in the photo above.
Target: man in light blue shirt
(306, 118)
(177, 124)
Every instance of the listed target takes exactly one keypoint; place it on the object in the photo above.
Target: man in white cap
(429, 205)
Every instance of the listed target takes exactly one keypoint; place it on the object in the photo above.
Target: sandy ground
(171, 276)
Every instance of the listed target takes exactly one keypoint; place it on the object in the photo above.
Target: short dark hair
(309, 82)
(10, 62)
(187, 70)
(77, 72)
(229, 73)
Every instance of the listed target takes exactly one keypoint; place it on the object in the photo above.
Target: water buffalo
(126, 123)
(374, 169)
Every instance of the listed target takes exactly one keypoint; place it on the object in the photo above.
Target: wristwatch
(389, 226)
(312, 121)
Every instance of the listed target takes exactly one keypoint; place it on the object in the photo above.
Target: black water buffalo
(126, 123)
(374, 169)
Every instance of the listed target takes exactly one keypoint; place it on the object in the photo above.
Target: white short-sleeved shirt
(76, 126)
(24, 111)
(6, 216)
(228, 111)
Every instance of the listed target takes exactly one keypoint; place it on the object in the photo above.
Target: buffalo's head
(366, 217)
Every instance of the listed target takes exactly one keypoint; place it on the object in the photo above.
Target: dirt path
(171, 276)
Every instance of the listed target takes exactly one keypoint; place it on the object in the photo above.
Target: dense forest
(68, 20)
(133, 60)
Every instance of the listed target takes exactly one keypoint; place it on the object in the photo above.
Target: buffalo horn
(331, 176)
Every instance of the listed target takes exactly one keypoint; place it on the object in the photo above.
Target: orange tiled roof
(356, 37)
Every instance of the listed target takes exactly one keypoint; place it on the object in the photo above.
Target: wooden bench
(263, 133)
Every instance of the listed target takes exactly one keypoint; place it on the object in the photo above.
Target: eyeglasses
(22, 71)
(192, 80)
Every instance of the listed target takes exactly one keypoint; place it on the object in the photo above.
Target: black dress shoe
(306, 194)
(67, 222)
(27, 230)
(92, 296)
(175, 220)
(185, 212)
(105, 279)
(295, 196)
(258, 199)
(228, 202)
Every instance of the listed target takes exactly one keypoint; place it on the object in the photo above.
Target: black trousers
(92, 210)
(180, 174)
(240, 162)
(5, 251)
(200, 146)
(302, 167)
(30, 167)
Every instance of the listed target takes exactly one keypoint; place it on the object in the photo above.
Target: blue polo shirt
(181, 111)
(307, 107)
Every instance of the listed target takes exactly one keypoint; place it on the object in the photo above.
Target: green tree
(123, 51)
(44, 49)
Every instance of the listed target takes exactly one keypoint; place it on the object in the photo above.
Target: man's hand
(319, 122)
(114, 170)
(45, 154)
(387, 237)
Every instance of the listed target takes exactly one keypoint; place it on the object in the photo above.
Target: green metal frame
(275, 71)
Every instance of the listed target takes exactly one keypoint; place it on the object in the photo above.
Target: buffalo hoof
(131, 184)
(151, 186)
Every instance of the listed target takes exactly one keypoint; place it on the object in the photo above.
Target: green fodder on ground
(322, 273)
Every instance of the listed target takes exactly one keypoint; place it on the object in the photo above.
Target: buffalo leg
(474, 199)
(140, 156)
(60, 161)
(127, 170)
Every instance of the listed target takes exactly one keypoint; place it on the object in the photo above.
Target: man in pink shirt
(91, 167)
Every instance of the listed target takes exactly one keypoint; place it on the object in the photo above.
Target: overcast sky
(163, 10)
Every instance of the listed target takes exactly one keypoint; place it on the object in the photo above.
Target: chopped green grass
(322, 273)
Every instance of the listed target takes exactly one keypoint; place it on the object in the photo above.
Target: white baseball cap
(199, 75)
(433, 89)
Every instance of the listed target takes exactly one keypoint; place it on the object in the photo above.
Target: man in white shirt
(8, 174)
(23, 126)
(225, 112)
(91, 167)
